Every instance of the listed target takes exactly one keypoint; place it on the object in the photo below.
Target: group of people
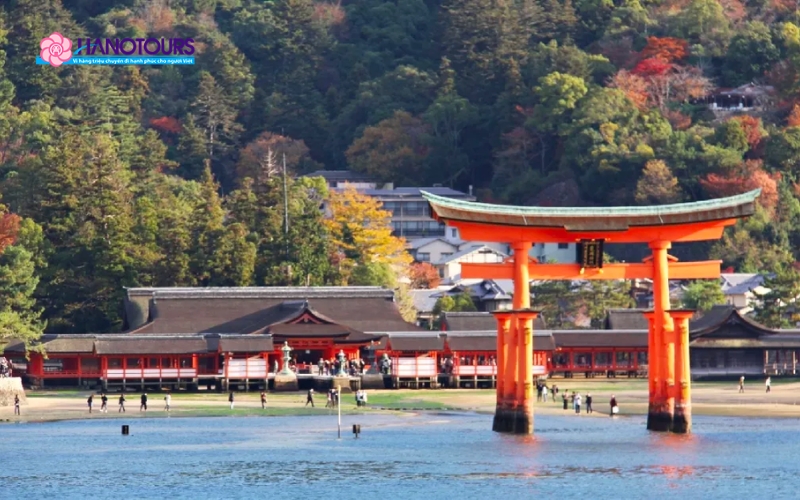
(6, 366)
(331, 366)
(122, 400)
(542, 391)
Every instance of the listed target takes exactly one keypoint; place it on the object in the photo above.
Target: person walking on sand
(564, 397)
(143, 406)
(310, 397)
(90, 401)
(16, 404)
(768, 383)
(578, 404)
(230, 400)
(589, 403)
(614, 407)
(167, 401)
(263, 400)
(544, 394)
(741, 384)
(121, 404)
(103, 403)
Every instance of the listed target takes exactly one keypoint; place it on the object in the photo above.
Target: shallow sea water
(432, 455)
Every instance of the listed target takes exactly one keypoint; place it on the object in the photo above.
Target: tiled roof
(250, 310)
(600, 338)
(487, 341)
(626, 319)
(721, 315)
(417, 341)
(58, 343)
(425, 300)
(478, 321)
(151, 345)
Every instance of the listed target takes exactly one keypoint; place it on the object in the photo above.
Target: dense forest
(169, 175)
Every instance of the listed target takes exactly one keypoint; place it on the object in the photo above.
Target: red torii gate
(658, 226)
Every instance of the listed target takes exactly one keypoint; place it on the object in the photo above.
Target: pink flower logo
(56, 49)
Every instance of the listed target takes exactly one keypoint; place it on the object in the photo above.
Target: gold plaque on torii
(592, 254)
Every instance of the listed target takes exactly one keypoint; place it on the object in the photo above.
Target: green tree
(460, 302)
(702, 295)
(599, 296)
(558, 301)
(750, 54)
(777, 308)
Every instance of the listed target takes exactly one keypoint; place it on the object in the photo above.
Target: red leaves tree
(794, 117)
(652, 67)
(424, 275)
(667, 49)
(9, 225)
(751, 175)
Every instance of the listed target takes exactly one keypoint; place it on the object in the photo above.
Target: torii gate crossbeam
(668, 340)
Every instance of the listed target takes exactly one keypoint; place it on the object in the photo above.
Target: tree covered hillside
(166, 175)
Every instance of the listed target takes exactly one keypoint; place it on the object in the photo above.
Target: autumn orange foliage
(424, 275)
(678, 120)
(667, 49)
(9, 226)
(794, 117)
(634, 87)
(751, 175)
(752, 128)
(166, 124)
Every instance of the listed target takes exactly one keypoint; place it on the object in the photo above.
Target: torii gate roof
(568, 223)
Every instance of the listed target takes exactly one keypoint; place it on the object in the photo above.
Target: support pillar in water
(682, 419)
(659, 412)
(503, 335)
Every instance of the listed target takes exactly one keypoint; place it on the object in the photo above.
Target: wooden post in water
(339, 408)
(503, 333)
(682, 419)
(659, 414)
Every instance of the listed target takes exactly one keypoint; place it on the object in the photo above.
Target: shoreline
(709, 399)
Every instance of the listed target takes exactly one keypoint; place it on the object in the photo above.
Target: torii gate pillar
(514, 412)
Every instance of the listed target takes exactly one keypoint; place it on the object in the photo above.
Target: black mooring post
(356, 430)
(125, 430)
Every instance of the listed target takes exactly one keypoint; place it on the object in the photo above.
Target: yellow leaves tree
(361, 231)
(657, 185)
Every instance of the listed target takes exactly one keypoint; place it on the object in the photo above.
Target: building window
(563, 246)
(446, 254)
(423, 256)
(453, 232)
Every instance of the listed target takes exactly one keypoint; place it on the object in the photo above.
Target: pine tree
(777, 308)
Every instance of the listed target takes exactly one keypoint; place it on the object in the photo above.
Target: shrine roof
(593, 218)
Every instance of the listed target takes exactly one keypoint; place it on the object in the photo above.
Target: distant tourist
(614, 407)
(329, 403)
(143, 406)
(768, 383)
(103, 403)
(263, 400)
(564, 397)
(589, 403)
(167, 401)
(741, 384)
(310, 397)
(577, 403)
(121, 404)
(544, 394)
(230, 400)
(538, 391)
(321, 367)
(363, 397)
(89, 402)
(16, 404)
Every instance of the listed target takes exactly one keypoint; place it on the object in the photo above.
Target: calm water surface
(445, 455)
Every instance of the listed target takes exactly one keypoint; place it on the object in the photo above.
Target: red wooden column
(659, 415)
(682, 420)
(503, 326)
(525, 396)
